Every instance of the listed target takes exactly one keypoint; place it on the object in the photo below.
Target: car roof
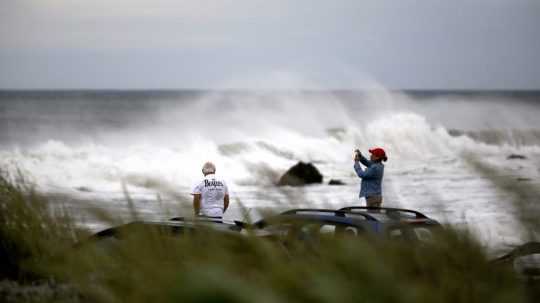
(357, 215)
(329, 212)
(177, 222)
(322, 215)
(207, 220)
(391, 214)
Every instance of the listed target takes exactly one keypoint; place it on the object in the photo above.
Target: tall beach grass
(43, 246)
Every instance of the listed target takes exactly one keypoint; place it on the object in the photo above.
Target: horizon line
(269, 89)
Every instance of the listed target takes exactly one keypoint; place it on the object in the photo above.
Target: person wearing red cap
(372, 175)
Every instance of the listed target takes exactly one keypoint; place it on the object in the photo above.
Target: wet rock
(524, 179)
(335, 182)
(455, 132)
(84, 189)
(301, 174)
(516, 157)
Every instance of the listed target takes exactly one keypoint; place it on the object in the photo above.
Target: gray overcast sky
(449, 44)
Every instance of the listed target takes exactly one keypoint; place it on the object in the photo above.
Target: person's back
(211, 195)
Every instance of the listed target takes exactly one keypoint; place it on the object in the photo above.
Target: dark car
(382, 223)
(398, 223)
(174, 227)
(524, 259)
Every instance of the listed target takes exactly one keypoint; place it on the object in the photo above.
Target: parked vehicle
(524, 259)
(383, 223)
(174, 227)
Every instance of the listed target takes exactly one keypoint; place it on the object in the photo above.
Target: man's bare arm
(196, 203)
(225, 202)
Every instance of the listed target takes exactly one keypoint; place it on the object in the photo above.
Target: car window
(327, 229)
(353, 231)
(350, 231)
(301, 230)
(345, 230)
(406, 215)
(528, 264)
(356, 216)
(311, 228)
(396, 233)
(330, 229)
(423, 234)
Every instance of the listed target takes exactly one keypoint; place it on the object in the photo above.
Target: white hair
(208, 168)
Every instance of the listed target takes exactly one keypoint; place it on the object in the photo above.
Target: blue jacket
(371, 177)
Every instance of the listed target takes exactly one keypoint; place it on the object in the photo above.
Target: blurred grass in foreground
(37, 246)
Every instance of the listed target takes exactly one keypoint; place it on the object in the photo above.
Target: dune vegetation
(46, 257)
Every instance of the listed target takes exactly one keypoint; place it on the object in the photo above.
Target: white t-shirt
(212, 192)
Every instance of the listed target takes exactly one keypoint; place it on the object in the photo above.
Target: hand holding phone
(357, 155)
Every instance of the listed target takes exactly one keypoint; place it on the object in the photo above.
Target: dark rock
(335, 182)
(83, 189)
(301, 174)
(524, 179)
(516, 157)
(455, 132)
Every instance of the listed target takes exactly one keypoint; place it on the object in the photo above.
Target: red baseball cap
(378, 152)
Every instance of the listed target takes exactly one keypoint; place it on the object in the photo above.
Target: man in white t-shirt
(211, 195)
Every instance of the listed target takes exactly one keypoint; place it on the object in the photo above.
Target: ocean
(88, 149)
